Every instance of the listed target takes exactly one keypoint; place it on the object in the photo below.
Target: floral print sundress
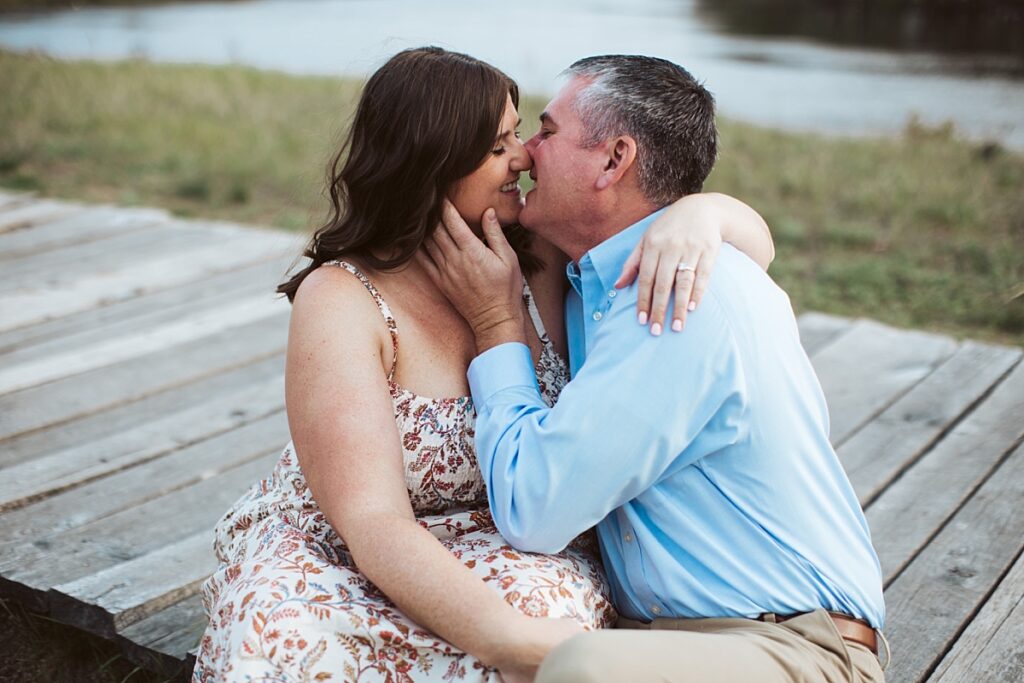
(287, 603)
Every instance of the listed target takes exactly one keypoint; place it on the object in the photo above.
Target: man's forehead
(554, 111)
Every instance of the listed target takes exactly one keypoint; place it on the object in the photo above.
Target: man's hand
(527, 645)
(483, 281)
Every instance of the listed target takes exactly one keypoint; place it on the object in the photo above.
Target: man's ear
(621, 153)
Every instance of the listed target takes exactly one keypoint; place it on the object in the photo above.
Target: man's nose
(523, 160)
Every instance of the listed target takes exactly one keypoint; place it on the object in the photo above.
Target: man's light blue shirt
(702, 456)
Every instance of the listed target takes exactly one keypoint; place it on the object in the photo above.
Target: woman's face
(495, 184)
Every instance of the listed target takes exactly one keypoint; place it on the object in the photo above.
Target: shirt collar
(608, 257)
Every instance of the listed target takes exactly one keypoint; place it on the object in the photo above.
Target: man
(734, 544)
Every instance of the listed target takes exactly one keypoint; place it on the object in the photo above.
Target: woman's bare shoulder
(332, 303)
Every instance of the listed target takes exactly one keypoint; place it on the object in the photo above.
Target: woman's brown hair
(426, 119)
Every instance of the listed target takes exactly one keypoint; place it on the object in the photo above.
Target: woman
(380, 475)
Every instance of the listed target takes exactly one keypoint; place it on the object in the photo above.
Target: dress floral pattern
(288, 604)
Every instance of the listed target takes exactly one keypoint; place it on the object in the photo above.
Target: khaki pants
(802, 649)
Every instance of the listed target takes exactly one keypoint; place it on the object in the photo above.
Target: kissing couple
(517, 423)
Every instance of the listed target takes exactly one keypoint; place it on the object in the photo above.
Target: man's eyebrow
(546, 118)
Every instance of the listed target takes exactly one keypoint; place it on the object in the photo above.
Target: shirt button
(612, 294)
(629, 538)
(597, 315)
(655, 609)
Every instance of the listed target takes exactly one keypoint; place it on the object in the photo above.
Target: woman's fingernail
(641, 318)
(656, 329)
(692, 306)
(677, 325)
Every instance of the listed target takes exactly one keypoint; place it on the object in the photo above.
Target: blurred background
(846, 67)
(881, 139)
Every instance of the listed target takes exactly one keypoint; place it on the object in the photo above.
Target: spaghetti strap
(382, 306)
(531, 306)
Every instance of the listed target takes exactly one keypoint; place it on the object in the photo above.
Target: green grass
(223, 142)
(923, 230)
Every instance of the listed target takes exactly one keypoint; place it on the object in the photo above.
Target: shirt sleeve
(639, 409)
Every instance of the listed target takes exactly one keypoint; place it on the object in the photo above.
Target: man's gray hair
(661, 106)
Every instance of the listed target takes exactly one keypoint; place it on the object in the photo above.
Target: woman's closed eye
(501, 150)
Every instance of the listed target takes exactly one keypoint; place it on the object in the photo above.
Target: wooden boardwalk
(141, 392)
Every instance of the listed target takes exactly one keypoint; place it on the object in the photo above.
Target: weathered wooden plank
(17, 373)
(26, 307)
(817, 330)
(162, 641)
(940, 591)
(39, 522)
(97, 390)
(29, 570)
(151, 308)
(174, 630)
(872, 365)
(58, 266)
(77, 229)
(134, 486)
(168, 310)
(110, 423)
(915, 506)
(992, 647)
(24, 216)
(121, 595)
(9, 200)
(9, 195)
(886, 446)
(21, 484)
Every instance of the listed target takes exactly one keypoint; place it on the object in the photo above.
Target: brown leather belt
(852, 629)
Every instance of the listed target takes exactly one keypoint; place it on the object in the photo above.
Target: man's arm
(640, 409)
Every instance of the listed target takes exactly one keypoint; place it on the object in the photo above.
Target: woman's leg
(289, 612)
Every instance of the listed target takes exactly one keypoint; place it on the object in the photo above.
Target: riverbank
(922, 230)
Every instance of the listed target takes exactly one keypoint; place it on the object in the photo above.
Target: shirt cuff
(501, 367)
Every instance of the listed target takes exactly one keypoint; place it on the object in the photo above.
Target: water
(788, 82)
(986, 36)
